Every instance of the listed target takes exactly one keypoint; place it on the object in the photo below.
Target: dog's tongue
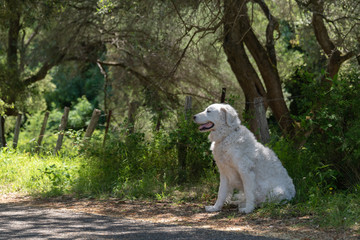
(206, 125)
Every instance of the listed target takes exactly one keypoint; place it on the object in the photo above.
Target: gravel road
(23, 222)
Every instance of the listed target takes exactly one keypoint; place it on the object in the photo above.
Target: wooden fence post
(62, 128)
(188, 103)
(42, 130)
(182, 146)
(223, 93)
(17, 130)
(133, 106)
(260, 116)
(222, 100)
(108, 118)
(2, 132)
(159, 118)
(93, 122)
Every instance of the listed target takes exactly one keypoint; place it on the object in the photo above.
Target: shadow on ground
(18, 221)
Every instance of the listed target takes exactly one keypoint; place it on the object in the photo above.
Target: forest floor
(189, 214)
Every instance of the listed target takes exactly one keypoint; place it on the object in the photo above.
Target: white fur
(244, 164)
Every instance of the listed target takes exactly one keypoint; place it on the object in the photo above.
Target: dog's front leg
(248, 179)
(246, 171)
(224, 190)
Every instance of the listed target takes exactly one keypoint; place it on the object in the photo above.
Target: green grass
(339, 210)
(96, 174)
(37, 174)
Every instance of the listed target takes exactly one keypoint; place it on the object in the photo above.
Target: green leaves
(59, 177)
(105, 6)
(333, 115)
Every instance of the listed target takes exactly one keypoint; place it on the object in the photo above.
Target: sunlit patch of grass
(337, 210)
(37, 174)
(340, 210)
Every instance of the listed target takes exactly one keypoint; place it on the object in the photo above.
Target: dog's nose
(194, 117)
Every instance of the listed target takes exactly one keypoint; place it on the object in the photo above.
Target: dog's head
(217, 116)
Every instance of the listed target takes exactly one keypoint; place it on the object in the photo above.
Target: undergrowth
(149, 170)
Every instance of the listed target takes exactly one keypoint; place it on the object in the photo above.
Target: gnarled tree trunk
(238, 34)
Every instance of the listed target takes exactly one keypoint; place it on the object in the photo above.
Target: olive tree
(35, 36)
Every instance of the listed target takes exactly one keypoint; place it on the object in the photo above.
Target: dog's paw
(211, 209)
(246, 210)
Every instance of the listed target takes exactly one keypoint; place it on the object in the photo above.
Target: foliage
(56, 178)
(73, 81)
(80, 115)
(196, 149)
(3, 106)
(35, 36)
(332, 117)
(317, 189)
(129, 165)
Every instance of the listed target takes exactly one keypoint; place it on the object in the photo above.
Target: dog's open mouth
(207, 126)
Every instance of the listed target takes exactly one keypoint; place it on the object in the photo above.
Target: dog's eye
(208, 111)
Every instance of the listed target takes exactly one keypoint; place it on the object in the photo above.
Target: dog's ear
(230, 116)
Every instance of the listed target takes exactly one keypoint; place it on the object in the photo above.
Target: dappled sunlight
(190, 214)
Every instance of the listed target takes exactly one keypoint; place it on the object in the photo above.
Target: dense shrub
(331, 114)
(130, 163)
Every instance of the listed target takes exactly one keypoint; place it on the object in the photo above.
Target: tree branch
(347, 56)
(41, 74)
(146, 81)
(210, 28)
(320, 30)
(271, 27)
(140, 76)
(335, 56)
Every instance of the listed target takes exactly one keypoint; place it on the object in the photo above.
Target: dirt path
(189, 214)
(29, 222)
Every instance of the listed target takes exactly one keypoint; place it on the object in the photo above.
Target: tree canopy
(150, 53)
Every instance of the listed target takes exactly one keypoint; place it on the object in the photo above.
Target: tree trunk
(238, 32)
(13, 83)
(246, 76)
(13, 37)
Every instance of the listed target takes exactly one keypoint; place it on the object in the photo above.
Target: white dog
(244, 164)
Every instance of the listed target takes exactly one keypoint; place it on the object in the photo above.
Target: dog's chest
(220, 153)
